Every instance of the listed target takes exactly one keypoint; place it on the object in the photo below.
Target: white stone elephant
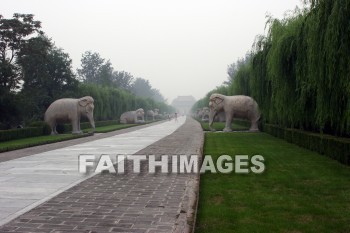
(199, 113)
(220, 117)
(205, 114)
(157, 115)
(70, 110)
(160, 116)
(133, 117)
(152, 114)
(238, 106)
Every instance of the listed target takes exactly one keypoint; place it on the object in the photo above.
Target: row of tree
(97, 70)
(299, 72)
(34, 73)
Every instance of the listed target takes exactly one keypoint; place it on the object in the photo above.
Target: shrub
(288, 135)
(45, 127)
(62, 128)
(39, 128)
(7, 135)
(67, 128)
(333, 147)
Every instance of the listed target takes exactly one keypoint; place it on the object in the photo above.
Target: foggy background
(181, 47)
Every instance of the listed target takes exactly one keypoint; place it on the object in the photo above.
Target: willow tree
(299, 71)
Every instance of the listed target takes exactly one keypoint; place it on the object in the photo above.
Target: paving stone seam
(186, 207)
(41, 201)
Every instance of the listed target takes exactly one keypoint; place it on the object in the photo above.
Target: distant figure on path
(175, 116)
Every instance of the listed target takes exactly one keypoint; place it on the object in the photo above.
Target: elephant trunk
(212, 115)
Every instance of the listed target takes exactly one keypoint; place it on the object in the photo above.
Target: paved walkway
(10, 155)
(107, 202)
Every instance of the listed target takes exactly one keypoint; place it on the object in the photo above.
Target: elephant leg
(53, 127)
(228, 127)
(75, 128)
(79, 124)
(254, 126)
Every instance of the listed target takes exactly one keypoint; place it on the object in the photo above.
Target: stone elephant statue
(152, 114)
(157, 115)
(133, 117)
(220, 117)
(205, 114)
(238, 106)
(68, 109)
(199, 113)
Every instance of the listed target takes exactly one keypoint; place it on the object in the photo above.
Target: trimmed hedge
(42, 124)
(333, 147)
(66, 128)
(5, 148)
(42, 129)
(12, 134)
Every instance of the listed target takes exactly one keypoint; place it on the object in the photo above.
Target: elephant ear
(218, 100)
(83, 102)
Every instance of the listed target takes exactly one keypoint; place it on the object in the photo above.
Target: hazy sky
(181, 47)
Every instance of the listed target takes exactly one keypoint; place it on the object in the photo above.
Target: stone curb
(186, 221)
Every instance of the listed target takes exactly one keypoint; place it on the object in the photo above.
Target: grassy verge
(41, 140)
(36, 141)
(110, 128)
(300, 191)
(219, 126)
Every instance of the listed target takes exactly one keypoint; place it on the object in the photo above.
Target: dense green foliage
(12, 134)
(34, 73)
(13, 37)
(95, 70)
(111, 102)
(40, 128)
(299, 72)
(299, 191)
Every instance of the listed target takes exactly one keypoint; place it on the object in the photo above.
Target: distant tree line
(34, 73)
(96, 70)
(299, 72)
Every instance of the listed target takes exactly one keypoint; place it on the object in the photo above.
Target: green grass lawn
(300, 191)
(219, 126)
(35, 141)
(109, 128)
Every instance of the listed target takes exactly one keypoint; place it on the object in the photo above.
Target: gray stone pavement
(28, 181)
(15, 154)
(124, 203)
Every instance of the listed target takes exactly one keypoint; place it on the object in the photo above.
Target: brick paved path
(29, 181)
(125, 203)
